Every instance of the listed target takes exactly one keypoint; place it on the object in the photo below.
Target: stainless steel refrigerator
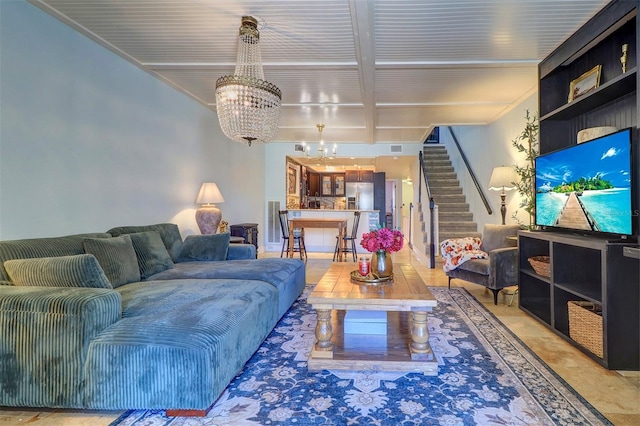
(361, 193)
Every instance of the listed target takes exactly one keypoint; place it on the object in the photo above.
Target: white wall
(487, 147)
(88, 141)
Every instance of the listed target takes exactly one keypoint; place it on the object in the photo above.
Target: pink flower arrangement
(383, 239)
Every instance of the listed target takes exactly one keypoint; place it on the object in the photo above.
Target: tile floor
(614, 394)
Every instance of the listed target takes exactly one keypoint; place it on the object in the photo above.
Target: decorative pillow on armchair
(152, 255)
(205, 247)
(82, 270)
(456, 251)
(116, 257)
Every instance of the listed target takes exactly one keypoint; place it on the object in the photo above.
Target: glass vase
(381, 264)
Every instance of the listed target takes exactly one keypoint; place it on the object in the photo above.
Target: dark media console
(585, 269)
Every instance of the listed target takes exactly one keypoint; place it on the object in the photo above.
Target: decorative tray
(369, 279)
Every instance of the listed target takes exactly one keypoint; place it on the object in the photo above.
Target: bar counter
(324, 240)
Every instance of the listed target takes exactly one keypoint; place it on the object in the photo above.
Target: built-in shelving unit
(589, 268)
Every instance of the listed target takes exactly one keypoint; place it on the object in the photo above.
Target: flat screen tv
(587, 187)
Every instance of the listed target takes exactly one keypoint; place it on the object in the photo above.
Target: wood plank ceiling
(378, 71)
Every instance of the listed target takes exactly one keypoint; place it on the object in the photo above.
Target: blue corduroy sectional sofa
(134, 318)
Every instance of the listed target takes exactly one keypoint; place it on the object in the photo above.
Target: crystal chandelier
(248, 106)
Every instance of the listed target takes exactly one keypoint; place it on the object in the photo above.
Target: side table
(248, 231)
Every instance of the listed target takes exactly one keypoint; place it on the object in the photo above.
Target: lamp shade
(503, 178)
(209, 194)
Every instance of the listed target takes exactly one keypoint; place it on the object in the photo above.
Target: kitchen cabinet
(326, 189)
(338, 184)
(358, 175)
(332, 184)
(313, 184)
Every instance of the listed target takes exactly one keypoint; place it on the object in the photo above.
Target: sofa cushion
(205, 247)
(81, 270)
(152, 255)
(169, 233)
(116, 257)
(43, 247)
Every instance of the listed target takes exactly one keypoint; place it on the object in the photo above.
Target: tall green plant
(527, 142)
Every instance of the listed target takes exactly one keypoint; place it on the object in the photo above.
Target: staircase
(455, 219)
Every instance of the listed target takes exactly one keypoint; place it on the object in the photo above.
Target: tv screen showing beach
(587, 187)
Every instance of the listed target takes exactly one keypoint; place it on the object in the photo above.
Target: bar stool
(352, 238)
(298, 236)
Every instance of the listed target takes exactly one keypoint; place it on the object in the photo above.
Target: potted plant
(528, 143)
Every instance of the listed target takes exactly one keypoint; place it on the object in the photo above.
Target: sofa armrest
(241, 251)
(503, 267)
(44, 336)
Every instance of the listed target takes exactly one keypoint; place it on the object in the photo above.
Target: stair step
(451, 235)
(447, 227)
(442, 190)
(444, 179)
(442, 176)
(457, 217)
(449, 198)
(453, 207)
(434, 162)
(440, 169)
(434, 150)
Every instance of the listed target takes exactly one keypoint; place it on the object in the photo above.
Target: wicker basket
(585, 325)
(541, 264)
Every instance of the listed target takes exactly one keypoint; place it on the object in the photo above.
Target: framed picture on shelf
(293, 179)
(584, 84)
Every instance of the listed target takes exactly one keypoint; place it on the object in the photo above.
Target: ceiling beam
(362, 21)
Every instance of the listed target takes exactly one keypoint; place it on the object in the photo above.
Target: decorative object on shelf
(595, 132)
(224, 227)
(382, 242)
(209, 216)
(528, 143)
(503, 179)
(541, 264)
(623, 58)
(248, 105)
(322, 151)
(584, 84)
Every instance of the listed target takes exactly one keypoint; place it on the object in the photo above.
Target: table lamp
(503, 179)
(209, 216)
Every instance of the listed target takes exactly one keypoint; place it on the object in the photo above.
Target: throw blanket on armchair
(456, 251)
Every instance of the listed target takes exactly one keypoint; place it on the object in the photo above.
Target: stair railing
(422, 171)
(473, 176)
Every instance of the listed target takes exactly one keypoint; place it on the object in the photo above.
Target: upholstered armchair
(493, 262)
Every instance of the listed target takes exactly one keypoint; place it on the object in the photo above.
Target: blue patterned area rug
(486, 376)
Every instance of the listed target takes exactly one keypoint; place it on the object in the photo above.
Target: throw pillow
(205, 247)
(82, 270)
(116, 257)
(152, 255)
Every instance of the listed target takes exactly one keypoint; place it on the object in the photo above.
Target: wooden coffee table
(406, 301)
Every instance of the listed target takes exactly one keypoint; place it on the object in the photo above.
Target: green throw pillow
(117, 258)
(82, 270)
(205, 247)
(152, 255)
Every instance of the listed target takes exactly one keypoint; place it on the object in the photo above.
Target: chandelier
(322, 152)
(248, 106)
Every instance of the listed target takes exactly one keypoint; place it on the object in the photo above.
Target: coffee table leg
(324, 332)
(420, 348)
